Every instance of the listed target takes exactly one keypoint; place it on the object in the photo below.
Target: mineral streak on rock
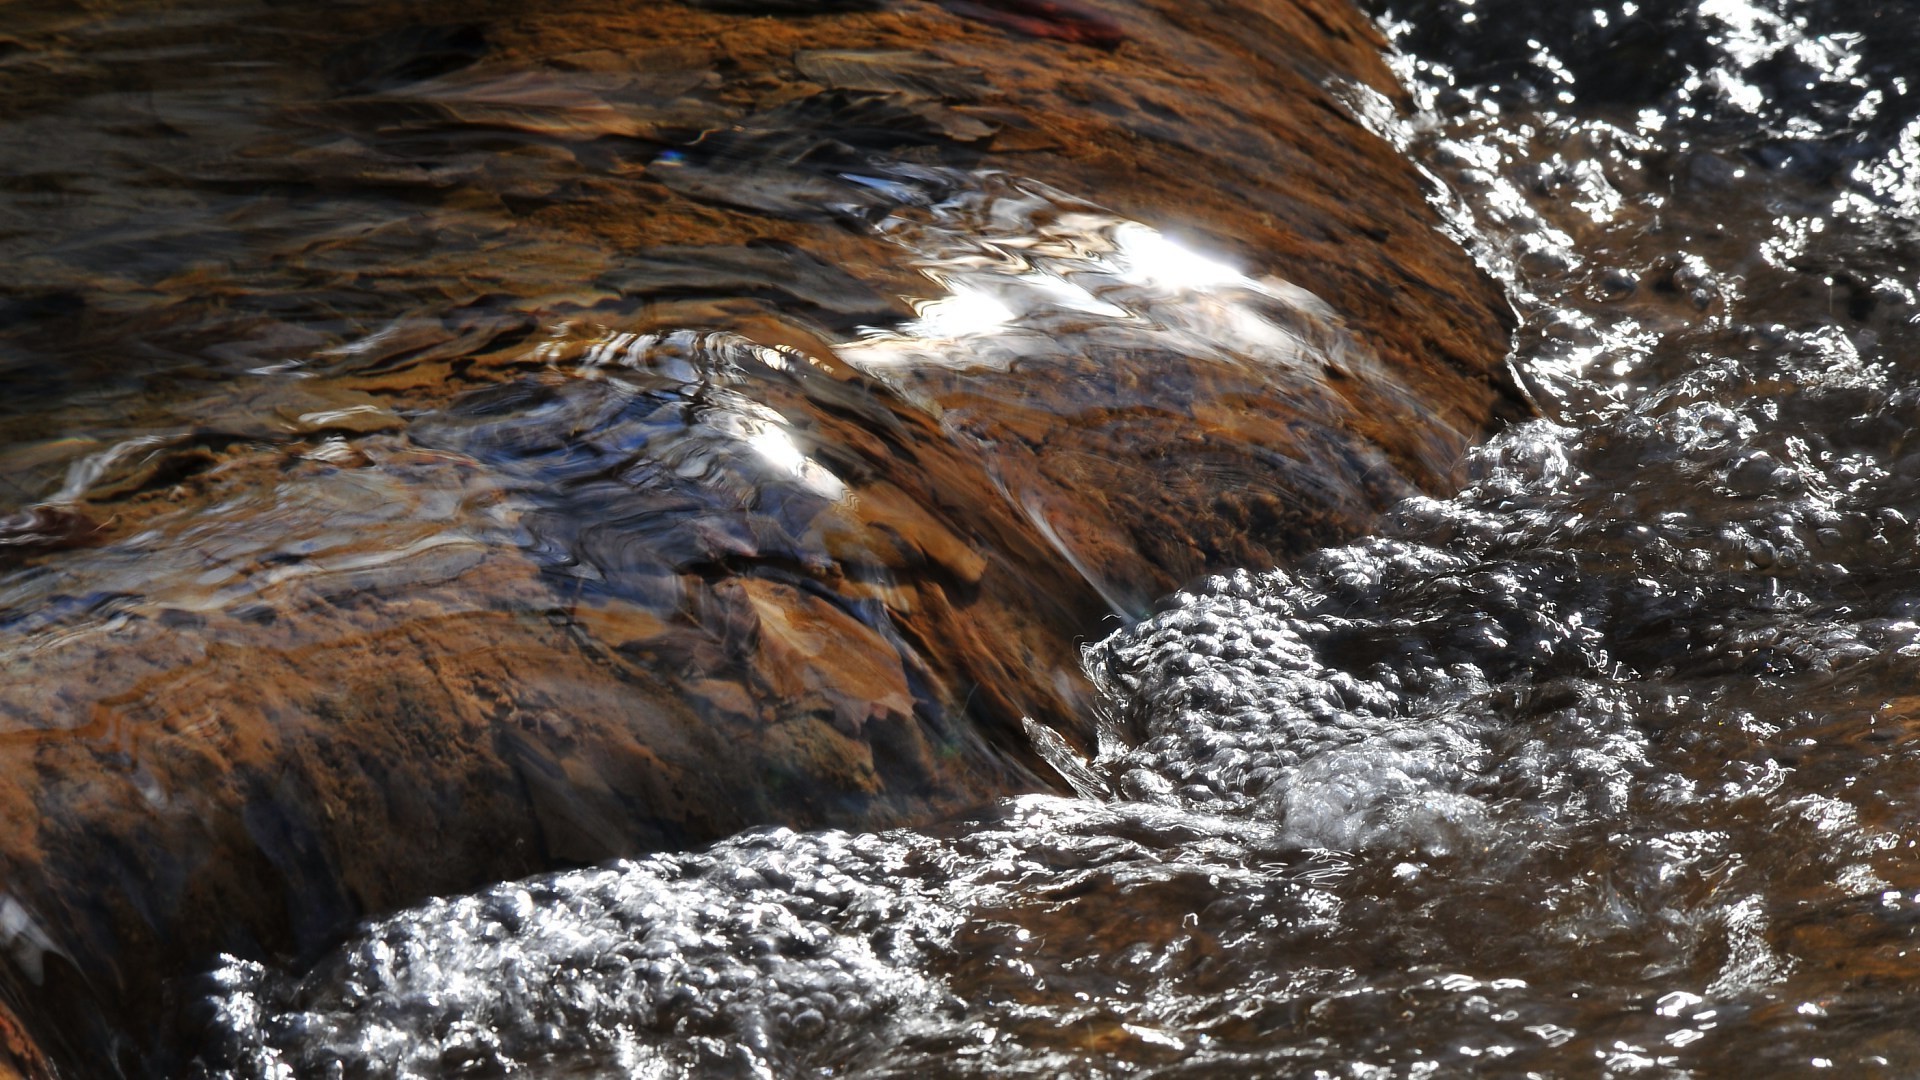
(651, 421)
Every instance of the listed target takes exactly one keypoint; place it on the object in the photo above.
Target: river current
(1609, 765)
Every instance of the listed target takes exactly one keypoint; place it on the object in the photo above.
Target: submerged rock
(639, 425)
(1602, 765)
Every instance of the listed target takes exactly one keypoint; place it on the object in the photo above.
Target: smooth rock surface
(483, 444)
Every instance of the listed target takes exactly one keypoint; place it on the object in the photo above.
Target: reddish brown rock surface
(409, 588)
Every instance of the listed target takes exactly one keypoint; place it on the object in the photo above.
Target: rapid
(1607, 765)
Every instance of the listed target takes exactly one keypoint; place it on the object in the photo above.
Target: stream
(1608, 764)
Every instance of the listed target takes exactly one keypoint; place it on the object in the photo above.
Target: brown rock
(602, 527)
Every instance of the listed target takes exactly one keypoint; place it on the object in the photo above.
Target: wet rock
(618, 429)
(406, 55)
(1062, 20)
(919, 74)
(1613, 747)
(786, 276)
(41, 528)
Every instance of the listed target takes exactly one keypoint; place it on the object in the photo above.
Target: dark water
(1609, 765)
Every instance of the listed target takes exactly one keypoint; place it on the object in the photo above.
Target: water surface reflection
(446, 444)
(1605, 765)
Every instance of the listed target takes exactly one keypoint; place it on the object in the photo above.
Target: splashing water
(1606, 765)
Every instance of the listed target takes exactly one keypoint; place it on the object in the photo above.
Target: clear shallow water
(453, 449)
(1607, 765)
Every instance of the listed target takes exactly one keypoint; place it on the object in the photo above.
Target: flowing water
(1609, 765)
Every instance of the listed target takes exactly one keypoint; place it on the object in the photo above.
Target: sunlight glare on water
(1608, 765)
